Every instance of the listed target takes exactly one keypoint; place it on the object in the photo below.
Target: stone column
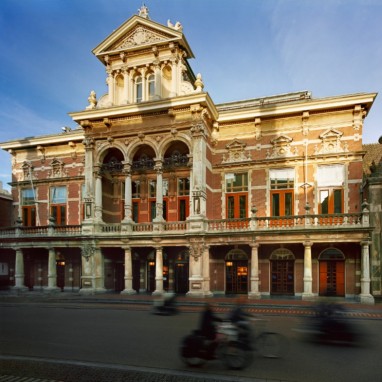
(130, 89)
(89, 184)
(159, 191)
(128, 273)
(128, 193)
(52, 272)
(110, 85)
(158, 81)
(198, 181)
(174, 78)
(365, 297)
(307, 270)
(126, 81)
(98, 196)
(254, 292)
(98, 271)
(158, 272)
(19, 271)
(144, 84)
(206, 271)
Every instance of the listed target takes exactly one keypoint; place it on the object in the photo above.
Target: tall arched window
(151, 86)
(138, 89)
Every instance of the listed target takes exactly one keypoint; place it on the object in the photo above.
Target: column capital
(307, 243)
(365, 242)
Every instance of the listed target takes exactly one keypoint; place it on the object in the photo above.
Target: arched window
(151, 86)
(138, 89)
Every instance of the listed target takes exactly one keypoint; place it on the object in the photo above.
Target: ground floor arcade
(296, 269)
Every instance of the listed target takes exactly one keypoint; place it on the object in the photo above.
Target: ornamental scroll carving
(281, 147)
(331, 142)
(139, 36)
(236, 152)
(87, 251)
(197, 247)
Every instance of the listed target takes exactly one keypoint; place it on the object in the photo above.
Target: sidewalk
(270, 305)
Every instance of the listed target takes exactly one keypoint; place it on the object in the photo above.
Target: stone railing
(254, 224)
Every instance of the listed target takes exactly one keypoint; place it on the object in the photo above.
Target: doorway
(236, 270)
(282, 272)
(332, 273)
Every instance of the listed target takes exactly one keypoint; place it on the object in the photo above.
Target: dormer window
(139, 89)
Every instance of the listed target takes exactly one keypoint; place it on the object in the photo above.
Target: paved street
(102, 339)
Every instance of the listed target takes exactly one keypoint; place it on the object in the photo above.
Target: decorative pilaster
(254, 292)
(158, 272)
(128, 273)
(365, 297)
(206, 272)
(110, 85)
(196, 268)
(307, 271)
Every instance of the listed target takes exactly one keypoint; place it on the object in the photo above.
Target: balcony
(252, 225)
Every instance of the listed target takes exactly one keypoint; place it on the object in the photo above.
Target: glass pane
(337, 201)
(231, 207)
(275, 205)
(243, 206)
(153, 210)
(27, 197)
(288, 204)
(63, 215)
(182, 210)
(164, 214)
(58, 195)
(153, 188)
(324, 200)
(135, 212)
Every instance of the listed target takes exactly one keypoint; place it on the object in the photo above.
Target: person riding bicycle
(240, 318)
(207, 325)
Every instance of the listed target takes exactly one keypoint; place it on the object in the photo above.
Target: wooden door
(282, 277)
(332, 278)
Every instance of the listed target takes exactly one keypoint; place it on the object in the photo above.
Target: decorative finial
(199, 83)
(143, 11)
(92, 99)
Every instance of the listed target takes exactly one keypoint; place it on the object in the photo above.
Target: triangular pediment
(331, 134)
(137, 33)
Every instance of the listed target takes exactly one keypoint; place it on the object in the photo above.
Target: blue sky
(243, 49)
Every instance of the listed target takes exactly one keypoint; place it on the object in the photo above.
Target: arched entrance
(236, 271)
(181, 272)
(282, 272)
(332, 273)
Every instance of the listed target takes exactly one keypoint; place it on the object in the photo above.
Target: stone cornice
(53, 139)
(147, 107)
(257, 109)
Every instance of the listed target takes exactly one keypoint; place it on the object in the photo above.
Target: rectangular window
(136, 212)
(183, 186)
(331, 201)
(136, 189)
(281, 178)
(28, 209)
(58, 204)
(27, 197)
(237, 182)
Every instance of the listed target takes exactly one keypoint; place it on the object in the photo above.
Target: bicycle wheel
(270, 345)
(235, 356)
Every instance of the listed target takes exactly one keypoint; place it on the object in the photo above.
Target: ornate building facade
(159, 188)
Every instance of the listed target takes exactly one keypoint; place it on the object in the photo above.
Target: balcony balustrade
(253, 224)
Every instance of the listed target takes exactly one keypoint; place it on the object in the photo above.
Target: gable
(137, 33)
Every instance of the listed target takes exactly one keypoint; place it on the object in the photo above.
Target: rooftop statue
(178, 26)
(143, 11)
